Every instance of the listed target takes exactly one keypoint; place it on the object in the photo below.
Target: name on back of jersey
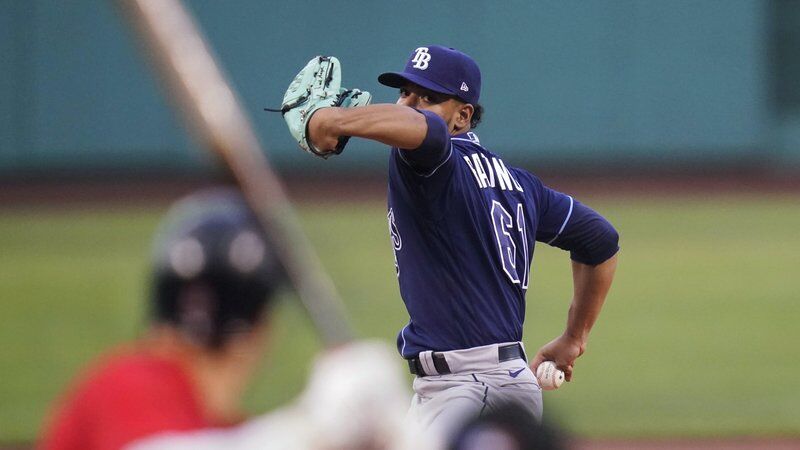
(491, 172)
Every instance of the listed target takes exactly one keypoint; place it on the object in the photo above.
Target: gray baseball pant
(478, 383)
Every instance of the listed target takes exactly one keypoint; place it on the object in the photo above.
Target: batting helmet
(214, 271)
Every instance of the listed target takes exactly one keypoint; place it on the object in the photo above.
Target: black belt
(504, 353)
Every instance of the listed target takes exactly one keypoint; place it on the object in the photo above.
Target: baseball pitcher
(463, 225)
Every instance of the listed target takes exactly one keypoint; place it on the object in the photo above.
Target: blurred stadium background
(679, 119)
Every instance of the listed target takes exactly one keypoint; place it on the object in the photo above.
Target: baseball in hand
(549, 376)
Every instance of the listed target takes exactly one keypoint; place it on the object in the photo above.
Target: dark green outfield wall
(567, 82)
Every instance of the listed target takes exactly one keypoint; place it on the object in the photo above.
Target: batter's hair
(477, 115)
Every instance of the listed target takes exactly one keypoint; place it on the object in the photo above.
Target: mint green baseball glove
(317, 86)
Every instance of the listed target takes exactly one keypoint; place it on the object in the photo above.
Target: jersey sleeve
(435, 148)
(570, 225)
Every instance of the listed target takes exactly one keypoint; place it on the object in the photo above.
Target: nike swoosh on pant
(514, 374)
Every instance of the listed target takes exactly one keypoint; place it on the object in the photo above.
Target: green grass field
(698, 336)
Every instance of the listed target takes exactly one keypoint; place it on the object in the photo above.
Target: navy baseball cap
(441, 69)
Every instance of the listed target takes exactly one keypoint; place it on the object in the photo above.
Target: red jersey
(126, 397)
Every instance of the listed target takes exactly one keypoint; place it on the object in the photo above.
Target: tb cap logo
(421, 58)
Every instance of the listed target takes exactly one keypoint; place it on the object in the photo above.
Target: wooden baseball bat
(196, 84)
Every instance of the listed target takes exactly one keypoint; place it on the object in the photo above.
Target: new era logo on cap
(440, 69)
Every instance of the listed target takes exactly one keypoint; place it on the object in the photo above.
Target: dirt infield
(341, 187)
(639, 444)
(745, 443)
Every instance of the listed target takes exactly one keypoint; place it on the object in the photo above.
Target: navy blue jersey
(463, 226)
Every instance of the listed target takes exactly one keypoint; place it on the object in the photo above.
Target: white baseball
(549, 376)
